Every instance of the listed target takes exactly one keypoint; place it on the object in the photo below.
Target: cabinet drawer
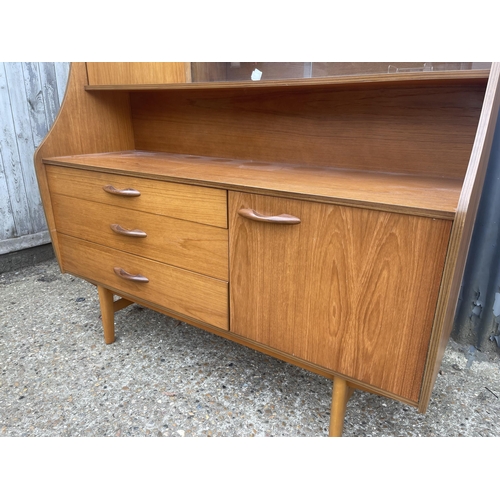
(181, 201)
(184, 244)
(189, 294)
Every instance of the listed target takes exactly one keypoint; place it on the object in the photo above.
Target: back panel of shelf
(403, 129)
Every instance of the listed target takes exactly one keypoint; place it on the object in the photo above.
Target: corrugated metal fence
(478, 312)
(30, 97)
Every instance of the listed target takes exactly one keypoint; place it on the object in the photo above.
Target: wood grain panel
(184, 244)
(336, 287)
(414, 194)
(137, 73)
(188, 293)
(426, 131)
(181, 201)
(462, 233)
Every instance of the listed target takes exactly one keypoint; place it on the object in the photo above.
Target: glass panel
(257, 71)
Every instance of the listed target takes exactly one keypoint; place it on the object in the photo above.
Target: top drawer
(181, 201)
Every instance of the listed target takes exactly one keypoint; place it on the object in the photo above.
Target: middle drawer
(184, 244)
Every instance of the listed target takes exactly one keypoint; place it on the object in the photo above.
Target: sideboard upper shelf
(389, 191)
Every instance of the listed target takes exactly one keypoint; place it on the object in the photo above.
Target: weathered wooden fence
(30, 97)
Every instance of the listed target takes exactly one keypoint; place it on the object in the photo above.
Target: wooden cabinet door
(352, 290)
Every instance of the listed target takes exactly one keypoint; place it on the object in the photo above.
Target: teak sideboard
(324, 221)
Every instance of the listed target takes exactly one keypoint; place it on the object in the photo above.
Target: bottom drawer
(190, 294)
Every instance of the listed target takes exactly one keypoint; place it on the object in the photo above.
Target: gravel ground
(164, 378)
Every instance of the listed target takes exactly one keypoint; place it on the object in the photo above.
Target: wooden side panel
(348, 289)
(426, 131)
(137, 73)
(462, 233)
(86, 123)
(190, 294)
(184, 244)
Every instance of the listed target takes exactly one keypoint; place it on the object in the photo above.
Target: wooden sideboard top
(403, 193)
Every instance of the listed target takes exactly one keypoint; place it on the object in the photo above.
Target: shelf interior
(415, 194)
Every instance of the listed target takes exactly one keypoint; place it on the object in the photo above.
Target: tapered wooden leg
(341, 394)
(107, 314)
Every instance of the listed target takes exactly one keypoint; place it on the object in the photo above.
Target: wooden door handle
(250, 213)
(138, 278)
(121, 192)
(135, 233)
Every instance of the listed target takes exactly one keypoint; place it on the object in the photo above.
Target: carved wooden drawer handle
(121, 192)
(135, 233)
(250, 213)
(139, 278)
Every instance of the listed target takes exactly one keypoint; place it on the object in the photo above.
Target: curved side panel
(97, 122)
(461, 235)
